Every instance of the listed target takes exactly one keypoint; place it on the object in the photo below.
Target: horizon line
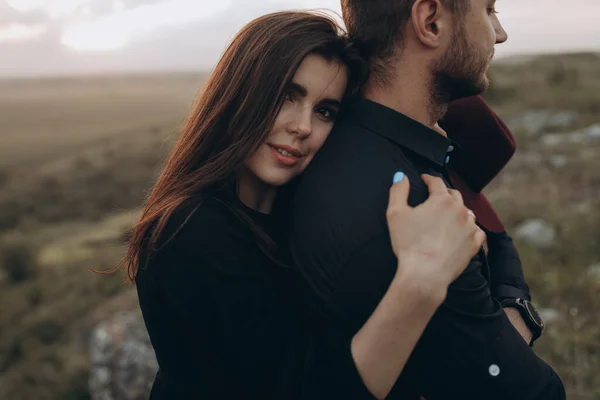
(110, 72)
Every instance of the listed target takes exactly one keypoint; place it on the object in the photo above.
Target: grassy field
(77, 156)
(76, 159)
(44, 119)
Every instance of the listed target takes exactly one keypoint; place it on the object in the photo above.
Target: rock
(535, 122)
(582, 136)
(558, 161)
(549, 315)
(531, 158)
(537, 232)
(122, 364)
(593, 132)
(593, 273)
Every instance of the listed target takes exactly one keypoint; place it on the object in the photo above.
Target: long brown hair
(235, 112)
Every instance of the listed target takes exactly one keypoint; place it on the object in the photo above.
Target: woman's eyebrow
(303, 92)
(298, 88)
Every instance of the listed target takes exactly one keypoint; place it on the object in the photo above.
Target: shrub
(11, 355)
(35, 296)
(3, 177)
(18, 260)
(47, 331)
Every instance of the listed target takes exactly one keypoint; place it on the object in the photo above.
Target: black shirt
(340, 242)
(225, 321)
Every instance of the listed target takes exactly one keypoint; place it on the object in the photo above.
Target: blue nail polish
(398, 177)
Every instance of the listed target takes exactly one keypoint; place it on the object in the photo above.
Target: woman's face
(306, 117)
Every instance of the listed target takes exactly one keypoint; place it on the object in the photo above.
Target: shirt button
(494, 370)
(450, 149)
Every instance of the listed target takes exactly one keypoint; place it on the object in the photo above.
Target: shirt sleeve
(506, 270)
(469, 350)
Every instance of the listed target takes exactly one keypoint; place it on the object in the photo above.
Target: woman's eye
(492, 11)
(327, 113)
(288, 97)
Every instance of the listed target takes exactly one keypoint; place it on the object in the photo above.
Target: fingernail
(398, 177)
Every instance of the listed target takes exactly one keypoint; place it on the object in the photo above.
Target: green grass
(567, 197)
(78, 156)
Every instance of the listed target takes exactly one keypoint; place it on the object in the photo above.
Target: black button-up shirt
(340, 242)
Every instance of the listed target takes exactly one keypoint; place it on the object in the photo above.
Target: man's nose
(501, 35)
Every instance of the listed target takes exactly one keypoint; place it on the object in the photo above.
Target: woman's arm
(384, 344)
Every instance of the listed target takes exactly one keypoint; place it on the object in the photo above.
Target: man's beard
(460, 72)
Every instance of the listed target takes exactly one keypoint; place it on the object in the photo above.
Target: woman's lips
(286, 155)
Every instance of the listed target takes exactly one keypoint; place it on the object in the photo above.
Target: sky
(61, 37)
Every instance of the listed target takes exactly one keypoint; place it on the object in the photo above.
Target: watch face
(535, 316)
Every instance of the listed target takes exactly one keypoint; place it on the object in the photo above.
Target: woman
(221, 304)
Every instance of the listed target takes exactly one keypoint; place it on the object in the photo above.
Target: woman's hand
(434, 241)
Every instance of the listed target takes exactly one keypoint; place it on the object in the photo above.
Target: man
(423, 54)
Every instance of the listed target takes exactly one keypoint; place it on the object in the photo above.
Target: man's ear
(430, 22)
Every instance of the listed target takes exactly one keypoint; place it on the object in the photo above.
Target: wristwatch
(532, 318)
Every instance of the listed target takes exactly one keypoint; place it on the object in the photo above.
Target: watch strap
(519, 304)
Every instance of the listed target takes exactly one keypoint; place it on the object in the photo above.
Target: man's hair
(377, 27)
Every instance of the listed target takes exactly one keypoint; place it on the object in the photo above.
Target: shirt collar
(401, 130)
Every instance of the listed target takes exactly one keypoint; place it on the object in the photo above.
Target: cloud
(53, 8)
(117, 35)
(9, 15)
(17, 32)
(116, 30)
(25, 5)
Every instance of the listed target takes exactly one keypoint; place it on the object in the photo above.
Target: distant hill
(556, 81)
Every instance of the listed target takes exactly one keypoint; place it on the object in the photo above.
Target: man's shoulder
(352, 172)
(349, 161)
(341, 198)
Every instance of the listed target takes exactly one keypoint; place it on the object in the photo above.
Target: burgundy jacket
(485, 146)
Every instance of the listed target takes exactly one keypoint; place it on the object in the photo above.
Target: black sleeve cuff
(507, 279)
(501, 292)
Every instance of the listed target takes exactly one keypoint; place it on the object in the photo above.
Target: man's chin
(468, 90)
(477, 87)
(456, 88)
(485, 86)
(484, 83)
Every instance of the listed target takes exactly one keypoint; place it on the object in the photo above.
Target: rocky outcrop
(535, 122)
(122, 361)
(582, 136)
(537, 232)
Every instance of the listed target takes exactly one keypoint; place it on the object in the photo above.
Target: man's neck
(408, 92)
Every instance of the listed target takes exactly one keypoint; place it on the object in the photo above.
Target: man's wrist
(516, 319)
(527, 314)
(507, 292)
